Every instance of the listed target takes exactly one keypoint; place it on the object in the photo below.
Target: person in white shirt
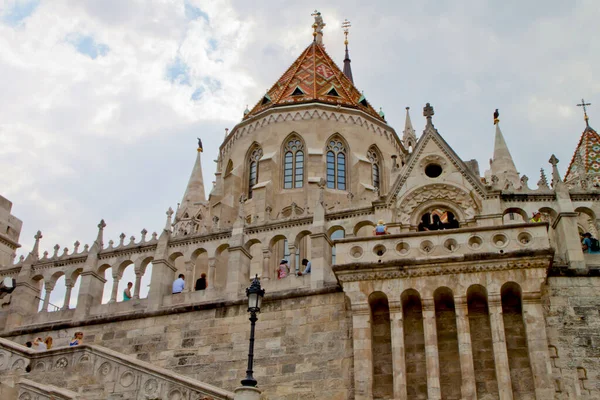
(179, 284)
(307, 267)
(39, 345)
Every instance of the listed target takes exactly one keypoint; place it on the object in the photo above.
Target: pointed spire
(409, 138)
(428, 113)
(347, 68)
(555, 174)
(35, 252)
(169, 220)
(194, 193)
(502, 164)
(543, 182)
(100, 237)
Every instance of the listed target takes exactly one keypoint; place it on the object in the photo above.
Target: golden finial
(585, 116)
(346, 27)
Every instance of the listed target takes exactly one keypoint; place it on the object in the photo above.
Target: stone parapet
(103, 371)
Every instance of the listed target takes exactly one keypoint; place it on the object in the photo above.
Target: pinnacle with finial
(585, 116)
(346, 28)
(428, 113)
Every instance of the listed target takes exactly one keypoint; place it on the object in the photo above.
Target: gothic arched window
(293, 164)
(375, 169)
(336, 165)
(255, 155)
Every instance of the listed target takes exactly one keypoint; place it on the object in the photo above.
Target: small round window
(433, 170)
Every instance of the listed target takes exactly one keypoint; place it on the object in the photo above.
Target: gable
(434, 172)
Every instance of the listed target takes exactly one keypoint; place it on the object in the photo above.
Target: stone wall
(572, 306)
(303, 345)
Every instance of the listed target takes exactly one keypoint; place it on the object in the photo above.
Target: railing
(95, 367)
(436, 245)
(54, 306)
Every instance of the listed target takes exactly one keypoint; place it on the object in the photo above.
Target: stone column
(363, 352)
(293, 267)
(161, 282)
(212, 273)
(321, 273)
(90, 293)
(398, 350)
(465, 350)
(431, 350)
(537, 344)
(266, 272)
(115, 288)
(47, 297)
(238, 270)
(499, 345)
(138, 284)
(67, 301)
(189, 273)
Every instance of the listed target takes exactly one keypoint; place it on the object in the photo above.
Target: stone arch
(381, 345)
(586, 218)
(221, 260)
(447, 339)
(380, 165)
(483, 351)
(58, 283)
(430, 205)
(335, 232)
(123, 266)
(514, 215)
(279, 250)
(254, 247)
(345, 149)
(456, 199)
(414, 343)
(229, 168)
(547, 211)
(126, 274)
(298, 150)
(302, 243)
(359, 230)
(516, 340)
(251, 168)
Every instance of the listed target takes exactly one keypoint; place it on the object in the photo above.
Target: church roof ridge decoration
(587, 153)
(315, 73)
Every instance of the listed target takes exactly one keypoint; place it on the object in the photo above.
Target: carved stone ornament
(442, 192)
(433, 159)
(105, 369)
(432, 271)
(62, 363)
(127, 379)
(18, 365)
(25, 396)
(151, 387)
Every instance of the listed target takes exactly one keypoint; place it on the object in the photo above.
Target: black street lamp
(255, 295)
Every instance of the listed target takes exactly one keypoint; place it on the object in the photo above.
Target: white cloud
(92, 127)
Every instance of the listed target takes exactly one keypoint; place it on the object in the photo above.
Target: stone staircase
(90, 372)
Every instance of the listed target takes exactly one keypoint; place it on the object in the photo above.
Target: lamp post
(255, 295)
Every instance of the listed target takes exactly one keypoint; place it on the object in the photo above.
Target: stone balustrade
(445, 244)
(102, 373)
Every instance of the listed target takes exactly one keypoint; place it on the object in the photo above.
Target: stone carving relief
(25, 396)
(151, 388)
(62, 363)
(442, 192)
(105, 369)
(3, 360)
(18, 365)
(127, 379)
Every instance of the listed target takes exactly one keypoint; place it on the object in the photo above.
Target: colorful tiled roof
(586, 159)
(313, 77)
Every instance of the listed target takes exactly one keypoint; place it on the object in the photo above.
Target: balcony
(436, 247)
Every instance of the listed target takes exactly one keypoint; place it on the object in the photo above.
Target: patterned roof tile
(319, 79)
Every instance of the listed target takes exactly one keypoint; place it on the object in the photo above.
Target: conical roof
(313, 77)
(586, 159)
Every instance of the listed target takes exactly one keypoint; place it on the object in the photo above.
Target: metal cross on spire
(346, 28)
(585, 116)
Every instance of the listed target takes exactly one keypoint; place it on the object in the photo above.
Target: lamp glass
(253, 300)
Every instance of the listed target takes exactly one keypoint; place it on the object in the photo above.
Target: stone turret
(10, 230)
(502, 164)
(409, 137)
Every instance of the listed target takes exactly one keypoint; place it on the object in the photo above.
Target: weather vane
(585, 116)
(346, 28)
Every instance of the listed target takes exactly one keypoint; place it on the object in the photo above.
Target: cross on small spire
(585, 116)
(428, 112)
(346, 28)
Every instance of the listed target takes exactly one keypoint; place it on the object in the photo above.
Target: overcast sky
(101, 101)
